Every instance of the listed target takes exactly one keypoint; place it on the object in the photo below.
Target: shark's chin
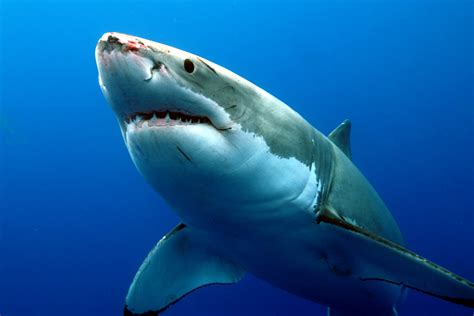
(163, 153)
(180, 162)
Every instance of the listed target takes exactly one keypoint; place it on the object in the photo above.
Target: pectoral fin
(400, 266)
(179, 264)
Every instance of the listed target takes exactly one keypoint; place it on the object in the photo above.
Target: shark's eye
(188, 65)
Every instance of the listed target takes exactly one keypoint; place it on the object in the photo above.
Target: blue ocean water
(76, 218)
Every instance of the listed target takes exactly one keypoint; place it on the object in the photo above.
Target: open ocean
(77, 219)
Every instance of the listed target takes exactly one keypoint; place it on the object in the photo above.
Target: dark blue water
(76, 219)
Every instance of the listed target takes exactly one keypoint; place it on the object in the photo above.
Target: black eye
(188, 65)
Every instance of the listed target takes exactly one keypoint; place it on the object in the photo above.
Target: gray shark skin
(258, 190)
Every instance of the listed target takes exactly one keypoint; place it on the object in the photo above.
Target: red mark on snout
(133, 46)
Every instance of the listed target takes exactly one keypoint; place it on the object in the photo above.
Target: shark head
(196, 130)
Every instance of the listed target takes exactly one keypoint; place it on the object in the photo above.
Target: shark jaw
(169, 118)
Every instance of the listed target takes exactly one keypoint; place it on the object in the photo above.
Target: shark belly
(312, 264)
(324, 274)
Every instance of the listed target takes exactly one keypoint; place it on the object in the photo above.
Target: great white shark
(257, 188)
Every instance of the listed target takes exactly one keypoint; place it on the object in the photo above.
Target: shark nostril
(108, 44)
(112, 39)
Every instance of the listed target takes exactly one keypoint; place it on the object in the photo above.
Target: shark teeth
(164, 118)
(154, 119)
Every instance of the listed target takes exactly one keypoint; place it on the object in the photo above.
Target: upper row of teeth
(138, 118)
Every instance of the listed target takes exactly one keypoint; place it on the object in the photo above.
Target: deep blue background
(76, 219)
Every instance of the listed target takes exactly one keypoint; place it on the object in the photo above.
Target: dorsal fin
(341, 137)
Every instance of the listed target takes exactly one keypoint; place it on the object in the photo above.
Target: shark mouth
(162, 119)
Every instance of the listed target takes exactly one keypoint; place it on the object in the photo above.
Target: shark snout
(127, 43)
(121, 54)
(120, 42)
(140, 78)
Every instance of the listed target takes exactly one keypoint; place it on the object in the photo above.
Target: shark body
(258, 190)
